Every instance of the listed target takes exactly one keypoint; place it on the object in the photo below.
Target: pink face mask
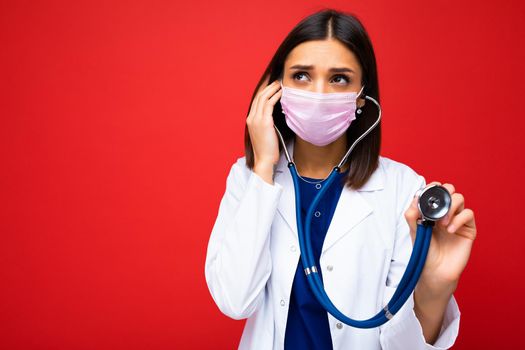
(318, 118)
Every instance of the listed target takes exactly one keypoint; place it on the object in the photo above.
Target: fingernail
(451, 229)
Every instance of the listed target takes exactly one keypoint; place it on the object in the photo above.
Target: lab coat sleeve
(403, 331)
(238, 261)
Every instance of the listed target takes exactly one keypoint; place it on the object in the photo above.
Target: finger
(450, 187)
(270, 90)
(265, 89)
(253, 107)
(268, 108)
(457, 205)
(263, 98)
(465, 217)
(252, 110)
(264, 85)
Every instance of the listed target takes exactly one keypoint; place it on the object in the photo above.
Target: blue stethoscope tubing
(404, 288)
(414, 267)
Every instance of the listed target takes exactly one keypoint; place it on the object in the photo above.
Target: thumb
(411, 216)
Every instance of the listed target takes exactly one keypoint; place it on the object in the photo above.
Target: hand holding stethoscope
(450, 246)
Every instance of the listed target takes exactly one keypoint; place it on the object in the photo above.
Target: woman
(364, 227)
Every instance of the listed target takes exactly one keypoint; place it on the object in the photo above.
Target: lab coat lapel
(351, 209)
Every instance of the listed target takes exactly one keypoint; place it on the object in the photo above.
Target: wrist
(434, 292)
(264, 170)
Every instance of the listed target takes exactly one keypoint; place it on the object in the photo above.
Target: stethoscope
(433, 203)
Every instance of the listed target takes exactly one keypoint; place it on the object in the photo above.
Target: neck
(318, 161)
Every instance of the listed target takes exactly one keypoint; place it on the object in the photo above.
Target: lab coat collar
(351, 209)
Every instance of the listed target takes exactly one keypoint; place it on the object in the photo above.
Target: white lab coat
(253, 252)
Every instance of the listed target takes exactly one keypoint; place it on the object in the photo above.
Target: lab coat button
(292, 248)
(317, 214)
(318, 186)
(329, 267)
(339, 325)
(282, 302)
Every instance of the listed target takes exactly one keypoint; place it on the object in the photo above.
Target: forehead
(323, 54)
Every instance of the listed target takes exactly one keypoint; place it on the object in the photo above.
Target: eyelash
(337, 75)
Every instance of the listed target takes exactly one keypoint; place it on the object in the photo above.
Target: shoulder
(392, 173)
(400, 180)
(240, 168)
(239, 172)
(396, 171)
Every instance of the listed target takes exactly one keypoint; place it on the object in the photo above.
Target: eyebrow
(334, 69)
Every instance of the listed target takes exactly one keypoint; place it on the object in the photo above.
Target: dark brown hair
(322, 25)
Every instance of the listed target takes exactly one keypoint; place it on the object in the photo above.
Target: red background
(121, 120)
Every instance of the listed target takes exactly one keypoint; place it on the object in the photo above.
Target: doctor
(364, 227)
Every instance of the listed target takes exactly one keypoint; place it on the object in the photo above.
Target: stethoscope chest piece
(434, 202)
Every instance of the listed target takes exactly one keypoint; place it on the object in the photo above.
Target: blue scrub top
(307, 325)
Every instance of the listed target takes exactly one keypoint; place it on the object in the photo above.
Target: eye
(344, 77)
(297, 74)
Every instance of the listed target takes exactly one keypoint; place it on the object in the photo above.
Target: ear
(360, 102)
